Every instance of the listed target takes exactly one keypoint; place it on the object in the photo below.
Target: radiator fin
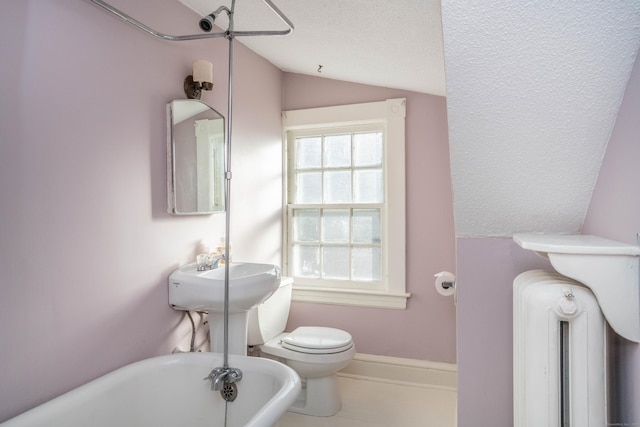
(559, 353)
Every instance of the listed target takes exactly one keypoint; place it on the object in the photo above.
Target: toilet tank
(269, 319)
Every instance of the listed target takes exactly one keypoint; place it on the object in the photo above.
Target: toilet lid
(309, 339)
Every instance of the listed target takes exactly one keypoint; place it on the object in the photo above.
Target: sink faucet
(219, 376)
(214, 261)
(208, 262)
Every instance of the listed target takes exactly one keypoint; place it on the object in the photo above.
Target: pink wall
(614, 213)
(426, 329)
(486, 268)
(86, 244)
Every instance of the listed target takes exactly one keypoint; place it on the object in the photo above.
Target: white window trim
(392, 114)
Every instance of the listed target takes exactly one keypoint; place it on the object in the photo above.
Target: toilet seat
(338, 354)
(317, 340)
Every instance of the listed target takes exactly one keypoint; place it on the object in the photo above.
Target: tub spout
(219, 376)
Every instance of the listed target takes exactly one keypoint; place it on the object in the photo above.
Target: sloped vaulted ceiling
(533, 91)
(395, 44)
(533, 88)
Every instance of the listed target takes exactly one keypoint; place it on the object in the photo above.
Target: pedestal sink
(249, 285)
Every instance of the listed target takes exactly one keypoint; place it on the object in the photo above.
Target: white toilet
(315, 353)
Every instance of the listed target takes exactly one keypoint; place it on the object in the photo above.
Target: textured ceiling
(533, 91)
(378, 42)
(533, 88)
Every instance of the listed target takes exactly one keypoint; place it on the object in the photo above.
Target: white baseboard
(419, 373)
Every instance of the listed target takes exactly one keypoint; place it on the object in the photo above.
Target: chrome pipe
(280, 15)
(106, 6)
(230, 32)
(227, 193)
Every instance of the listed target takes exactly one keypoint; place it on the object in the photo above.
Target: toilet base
(319, 397)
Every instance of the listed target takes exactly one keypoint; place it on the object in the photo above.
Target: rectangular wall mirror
(195, 158)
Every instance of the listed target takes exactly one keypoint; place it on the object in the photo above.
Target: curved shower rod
(230, 33)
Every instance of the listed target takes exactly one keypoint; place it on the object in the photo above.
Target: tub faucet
(219, 376)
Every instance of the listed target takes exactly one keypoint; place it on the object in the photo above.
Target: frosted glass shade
(202, 71)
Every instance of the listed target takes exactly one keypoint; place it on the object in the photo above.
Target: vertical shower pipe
(227, 187)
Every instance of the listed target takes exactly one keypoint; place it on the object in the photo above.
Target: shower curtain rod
(229, 33)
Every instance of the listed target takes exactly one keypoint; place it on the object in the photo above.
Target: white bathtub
(170, 391)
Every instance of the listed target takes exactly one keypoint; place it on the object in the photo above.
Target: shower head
(206, 23)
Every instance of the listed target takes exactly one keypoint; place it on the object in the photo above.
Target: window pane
(367, 149)
(306, 225)
(306, 261)
(365, 264)
(309, 187)
(335, 262)
(308, 153)
(367, 186)
(335, 225)
(366, 226)
(337, 187)
(337, 151)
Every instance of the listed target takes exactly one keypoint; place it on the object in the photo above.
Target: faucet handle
(211, 377)
(234, 376)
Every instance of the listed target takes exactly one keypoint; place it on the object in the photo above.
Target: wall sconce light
(202, 78)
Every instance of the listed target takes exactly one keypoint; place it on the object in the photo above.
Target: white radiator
(558, 353)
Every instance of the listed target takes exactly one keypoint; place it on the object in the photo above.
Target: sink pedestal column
(237, 332)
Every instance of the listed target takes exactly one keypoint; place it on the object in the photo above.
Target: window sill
(351, 297)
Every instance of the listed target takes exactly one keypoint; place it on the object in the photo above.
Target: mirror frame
(218, 164)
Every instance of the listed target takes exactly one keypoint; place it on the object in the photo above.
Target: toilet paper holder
(448, 284)
(445, 283)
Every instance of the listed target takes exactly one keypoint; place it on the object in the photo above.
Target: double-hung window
(345, 199)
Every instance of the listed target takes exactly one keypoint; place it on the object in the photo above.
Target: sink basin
(249, 285)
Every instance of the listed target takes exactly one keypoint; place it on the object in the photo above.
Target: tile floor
(374, 403)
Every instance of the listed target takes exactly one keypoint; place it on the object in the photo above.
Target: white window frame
(391, 114)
